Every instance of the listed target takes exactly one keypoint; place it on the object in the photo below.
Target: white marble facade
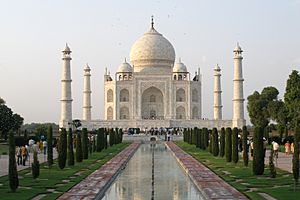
(155, 91)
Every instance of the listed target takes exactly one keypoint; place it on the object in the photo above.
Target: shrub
(62, 153)
(258, 151)
(245, 146)
(228, 144)
(235, 145)
(79, 155)
(12, 165)
(205, 138)
(35, 166)
(49, 146)
(85, 145)
(71, 161)
(222, 142)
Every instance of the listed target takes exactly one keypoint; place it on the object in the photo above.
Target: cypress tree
(271, 164)
(228, 144)
(79, 155)
(205, 138)
(62, 153)
(35, 166)
(111, 137)
(70, 156)
(200, 138)
(194, 137)
(12, 165)
(197, 137)
(210, 141)
(105, 138)
(215, 144)
(258, 151)
(296, 155)
(245, 146)
(49, 146)
(222, 142)
(121, 136)
(85, 145)
(235, 143)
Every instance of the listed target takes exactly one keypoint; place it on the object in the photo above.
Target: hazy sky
(101, 33)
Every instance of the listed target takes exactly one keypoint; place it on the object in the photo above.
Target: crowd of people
(23, 152)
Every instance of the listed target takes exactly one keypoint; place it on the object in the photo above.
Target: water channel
(153, 173)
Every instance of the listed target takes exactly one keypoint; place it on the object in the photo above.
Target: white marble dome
(152, 49)
(125, 67)
(179, 67)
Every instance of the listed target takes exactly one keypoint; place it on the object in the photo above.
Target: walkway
(4, 162)
(94, 186)
(284, 162)
(210, 184)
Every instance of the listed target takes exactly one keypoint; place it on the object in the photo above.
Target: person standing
(18, 153)
(292, 148)
(45, 146)
(24, 155)
(287, 147)
(275, 147)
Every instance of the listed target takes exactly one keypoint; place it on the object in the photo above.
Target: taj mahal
(153, 90)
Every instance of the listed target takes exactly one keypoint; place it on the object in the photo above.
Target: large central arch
(152, 104)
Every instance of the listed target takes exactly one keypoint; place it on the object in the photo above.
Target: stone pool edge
(210, 185)
(95, 185)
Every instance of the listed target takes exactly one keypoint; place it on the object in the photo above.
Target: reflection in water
(170, 182)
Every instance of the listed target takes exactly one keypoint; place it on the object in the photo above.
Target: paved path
(94, 186)
(284, 162)
(4, 162)
(209, 184)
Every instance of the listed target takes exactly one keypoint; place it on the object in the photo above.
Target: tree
(296, 155)
(12, 166)
(235, 143)
(6, 120)
(17, 122)
(245, 146)
(228, 144)
(99, 138)
(205, 138)
(78, 148)
(62, 153)
(292, 98)
(85, 144)
(271, 164)
(70, 156)
(222, 142)
(35, 165)
(49, 146)
(215, 142)
(2, 101)
(258, 151)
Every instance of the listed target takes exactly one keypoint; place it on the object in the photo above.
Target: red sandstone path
(96, 183)
(210, 185)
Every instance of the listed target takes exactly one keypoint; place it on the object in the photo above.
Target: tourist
(45, 146)
(275, 147)
(23, 154)
(19, 157)
(292, 148)
(30, 143)
(287, 147)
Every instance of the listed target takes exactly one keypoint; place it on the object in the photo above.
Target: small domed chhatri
(125, 67)
(152, 50)
(179, 67)
(150, 91)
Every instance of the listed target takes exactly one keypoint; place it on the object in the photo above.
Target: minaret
(238, 96)
(87, 94)
(66, 91)
(217, 94)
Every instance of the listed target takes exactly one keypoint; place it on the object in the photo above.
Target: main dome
(152, 49)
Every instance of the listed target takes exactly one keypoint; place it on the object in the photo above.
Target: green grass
(281, 187)
(3, 149)
(53, 178)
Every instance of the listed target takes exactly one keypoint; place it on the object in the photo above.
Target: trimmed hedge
(62, 153)
(258, 151)
(245, 146)
(222, 142)
(228, 144)
(235, 145)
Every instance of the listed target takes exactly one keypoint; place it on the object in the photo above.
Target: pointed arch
(124, 95)
(124, 113)
(110, 113)
(195, 95)
(180, 113)
(195, 113)
(110, 96)
(180, 95)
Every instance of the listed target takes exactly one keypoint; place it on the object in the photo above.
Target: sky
(101, 33)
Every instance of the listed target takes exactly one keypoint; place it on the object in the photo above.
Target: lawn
(240, 177)
(3, 149)
(53, 182)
